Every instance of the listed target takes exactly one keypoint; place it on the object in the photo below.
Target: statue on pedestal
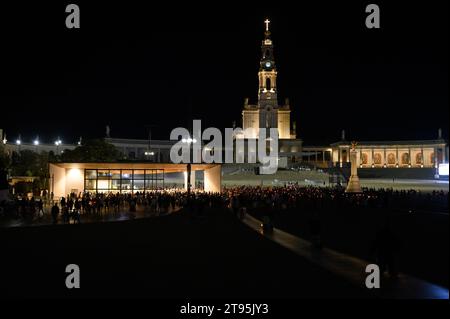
(353, 185)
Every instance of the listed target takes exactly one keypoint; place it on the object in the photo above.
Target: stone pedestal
(353, 185)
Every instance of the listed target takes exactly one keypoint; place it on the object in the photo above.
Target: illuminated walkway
(351, 268)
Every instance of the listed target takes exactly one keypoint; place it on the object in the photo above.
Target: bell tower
(267, 93)
(267, 71)
(267, 113)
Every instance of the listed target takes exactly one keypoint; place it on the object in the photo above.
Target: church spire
(267, 22)
(267, 70)
(267, 32)
(267, 113)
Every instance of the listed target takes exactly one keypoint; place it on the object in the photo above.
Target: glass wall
(123, 180)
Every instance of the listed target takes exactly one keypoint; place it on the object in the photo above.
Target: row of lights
(188, 140)
(35, 142)
(384, 166)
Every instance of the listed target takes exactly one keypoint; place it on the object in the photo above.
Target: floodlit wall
(74, 180)
(213, 179)
(65, 181)
(58, 181)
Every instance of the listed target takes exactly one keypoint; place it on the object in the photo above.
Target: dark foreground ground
(421, 238)
(168, 256)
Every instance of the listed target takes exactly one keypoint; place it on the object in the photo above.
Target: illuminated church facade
(267, 113)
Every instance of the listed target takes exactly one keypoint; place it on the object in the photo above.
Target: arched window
(419, 158)
(344, 156)
(268, 83)
(377, 158)
(364, 158)
(391, 159)
(405, 158)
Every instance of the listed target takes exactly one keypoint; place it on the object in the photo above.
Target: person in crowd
(55, 213)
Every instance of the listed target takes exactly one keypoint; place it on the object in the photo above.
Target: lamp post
(149, 152)
(18, 143)
(190, 141)
(36, 143)
(57, 143)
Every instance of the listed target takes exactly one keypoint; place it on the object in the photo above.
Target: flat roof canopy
(167, 167)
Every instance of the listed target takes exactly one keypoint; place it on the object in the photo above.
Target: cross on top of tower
(267, 22)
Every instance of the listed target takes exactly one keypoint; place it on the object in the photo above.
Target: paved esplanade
(351, 268)
(105, 216)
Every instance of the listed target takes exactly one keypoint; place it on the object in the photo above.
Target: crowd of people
(73, 206)
(237, 198)
(319, 198)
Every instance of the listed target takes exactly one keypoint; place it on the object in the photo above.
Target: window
(127, 174)
(391, 159)
(377, 159)
(268, 84)
(364, 158)
(419, 158)
(405, 158)
(90, 185)
(126, 180)
(91, 174)
(103, 174)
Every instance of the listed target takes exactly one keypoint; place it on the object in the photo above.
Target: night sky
(130, 66)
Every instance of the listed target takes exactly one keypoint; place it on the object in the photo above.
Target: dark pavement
(170, 256)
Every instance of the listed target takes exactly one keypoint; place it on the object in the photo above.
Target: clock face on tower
(268, 64)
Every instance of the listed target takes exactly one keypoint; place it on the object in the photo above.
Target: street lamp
(189, 141)
(57, 143)
(18, 142)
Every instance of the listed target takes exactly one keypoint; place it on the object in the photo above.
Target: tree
(5, 161)
(4, 165)
(96, 150)
(29, 163)
(25, 163)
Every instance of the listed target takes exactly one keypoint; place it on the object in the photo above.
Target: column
(443, 154)
(436, 164)
(423, 158)
(409, 155)
(192, 180)
(373, 153)
(397, 159)
(384, 159)
(339, 157)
